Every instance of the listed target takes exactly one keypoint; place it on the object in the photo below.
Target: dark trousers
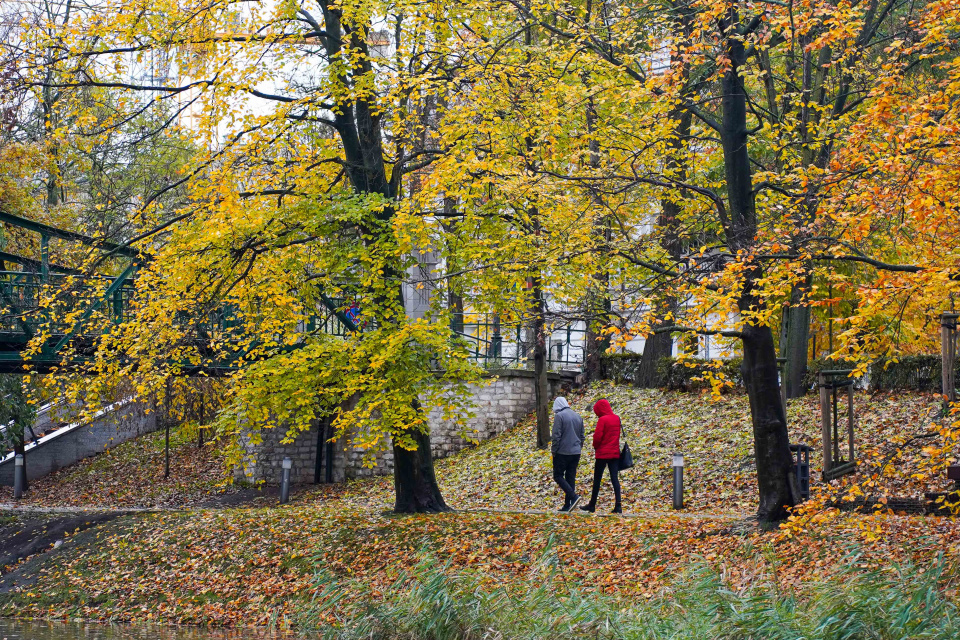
(598, 466)
(565, 474)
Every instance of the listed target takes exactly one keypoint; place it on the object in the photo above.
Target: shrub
(621, 367)
(915, 373)
(690, 374)
(918, 373)
(672, 373)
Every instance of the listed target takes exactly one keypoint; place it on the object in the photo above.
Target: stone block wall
(113, 425)
(264, 459)
(505, 398)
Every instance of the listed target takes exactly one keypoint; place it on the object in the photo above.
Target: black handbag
(626, 458)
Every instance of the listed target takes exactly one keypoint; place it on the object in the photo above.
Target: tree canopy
(723, 168)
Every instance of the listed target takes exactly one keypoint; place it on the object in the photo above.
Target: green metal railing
(21, 293)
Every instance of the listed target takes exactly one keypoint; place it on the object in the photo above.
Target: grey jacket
(567, 429)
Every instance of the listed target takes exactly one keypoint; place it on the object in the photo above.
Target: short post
(948, 352)
(825, 415)
(678, 481)
(285, 481)
(782, 373)
(18, 476)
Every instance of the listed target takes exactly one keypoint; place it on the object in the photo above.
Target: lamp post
(18, 476)
(285, 481)
(678, 481)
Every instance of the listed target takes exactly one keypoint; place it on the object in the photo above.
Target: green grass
(431, 602)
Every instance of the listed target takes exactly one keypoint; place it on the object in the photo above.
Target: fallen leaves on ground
(715, 436)
(131, 475)
(257, 566)
(245, 567)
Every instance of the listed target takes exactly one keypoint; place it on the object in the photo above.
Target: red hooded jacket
(606, 439)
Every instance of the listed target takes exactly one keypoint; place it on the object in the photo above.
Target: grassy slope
(257, 566)
(715, 436)
(131, 475)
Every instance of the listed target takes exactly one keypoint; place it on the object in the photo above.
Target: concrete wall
(506, 398)
(75, 442)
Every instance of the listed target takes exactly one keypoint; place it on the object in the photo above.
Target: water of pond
(40, 630)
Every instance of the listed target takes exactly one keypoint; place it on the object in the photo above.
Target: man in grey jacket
(567, 444)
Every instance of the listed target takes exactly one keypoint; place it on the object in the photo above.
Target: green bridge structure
(23, 317)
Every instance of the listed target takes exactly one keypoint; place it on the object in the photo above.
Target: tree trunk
(775, 474)
(656, 347)
(775, 478)
(596, 343)
(794, 344)
(414, 479)
(660, 345)
(541, 387)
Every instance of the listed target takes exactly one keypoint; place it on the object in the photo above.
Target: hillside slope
(509, 473)
(715, 436)
(266, 566)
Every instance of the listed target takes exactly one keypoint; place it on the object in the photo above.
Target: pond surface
(41, 630)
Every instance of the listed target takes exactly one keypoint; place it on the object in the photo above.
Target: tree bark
(657, 347)
(599, 306)
(358, 125)
(794, 344)
(595, 344)
(760, 377)
(541, 385)
(660, 345)
(414, 479)
(775, 477)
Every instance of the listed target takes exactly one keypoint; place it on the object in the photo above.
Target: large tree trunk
(596, 343)
(660, 345)
(414, 478)
(775, 476)
(657, 347)
(358, 124)
(771, 440)
(794, 344)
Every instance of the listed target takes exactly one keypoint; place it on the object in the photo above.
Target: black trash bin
(802, 468)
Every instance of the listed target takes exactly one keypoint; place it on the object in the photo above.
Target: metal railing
(21, 293)
(495, 344)
(489, 341)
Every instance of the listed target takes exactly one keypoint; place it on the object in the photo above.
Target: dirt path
(26, 533)
(682, 515)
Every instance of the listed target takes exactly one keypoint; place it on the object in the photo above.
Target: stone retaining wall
(71, 443)
(503, 401)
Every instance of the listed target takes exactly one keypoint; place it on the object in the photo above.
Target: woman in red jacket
(606, 445)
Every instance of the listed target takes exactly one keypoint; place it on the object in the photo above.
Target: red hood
(602, 408)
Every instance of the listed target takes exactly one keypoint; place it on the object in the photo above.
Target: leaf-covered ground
(509, 473)
(715, 436)
(259, 566)
(131, 475)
